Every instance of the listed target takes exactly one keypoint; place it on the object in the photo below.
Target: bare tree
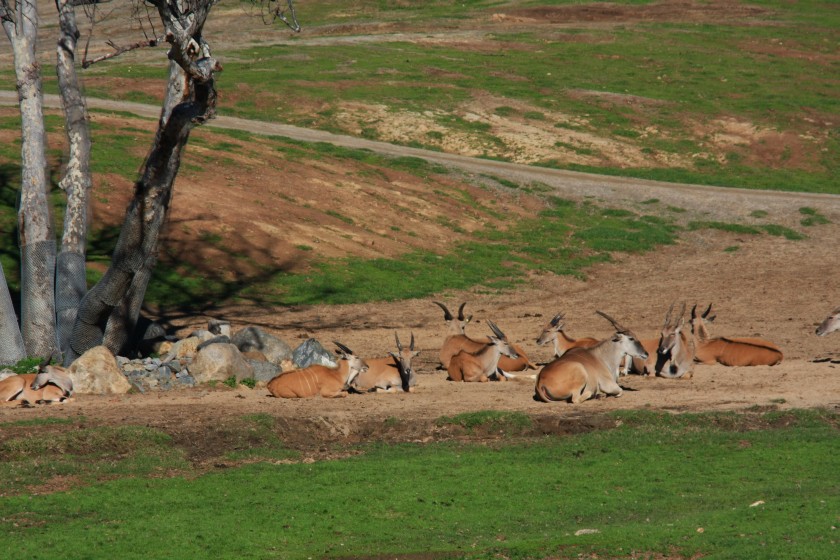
(108, 313)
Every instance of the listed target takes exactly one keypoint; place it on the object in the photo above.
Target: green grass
(659, 485)
(745, 68)
(564, 239)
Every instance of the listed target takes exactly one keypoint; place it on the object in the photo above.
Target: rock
(255, 355)
(254, 338)
(264, 371)
(220, 339)
(217, 362)
(186, 347)
(219, 327)
(310, 352)
(97, 372)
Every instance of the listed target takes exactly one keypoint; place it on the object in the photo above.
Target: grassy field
(663, 88)
(728, 485)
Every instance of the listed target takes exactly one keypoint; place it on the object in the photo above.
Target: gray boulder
(310, 352)
(254, 338)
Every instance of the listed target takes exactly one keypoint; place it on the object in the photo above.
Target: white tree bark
(34, 221)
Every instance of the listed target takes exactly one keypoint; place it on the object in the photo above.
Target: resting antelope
(830, 324)
(457, 340)
(50, 384)
(319, 380)
(553, 332)
(479, 366)
(675, 353)
(730, 351)
(580, 373)
(387, 374)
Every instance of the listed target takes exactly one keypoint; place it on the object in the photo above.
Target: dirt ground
(770, 287)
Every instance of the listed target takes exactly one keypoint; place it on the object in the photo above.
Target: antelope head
(355, 364)
(403, 362)
(625, 339)
(830, 324)
(52, 374)
(671, 331)
(458, 327)
(551, 329)
(698, 322)
(499, 339)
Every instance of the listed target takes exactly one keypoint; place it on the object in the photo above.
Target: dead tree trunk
(71, 283)
(108, 313)
(35, 230)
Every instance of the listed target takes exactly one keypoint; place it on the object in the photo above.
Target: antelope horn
(668, 315)
(557, 318)
(397, 337)
(447, 316)
(615, 323)
(694, 311)
(411, 344)
(682, 310)
(343, 348)
(44, 363)
(461, 311)
(496, 330)
(706, 313)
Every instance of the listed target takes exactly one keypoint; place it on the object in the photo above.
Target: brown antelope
(319, 380)
(553, 332)
(387, 374)
(457, 340)
(50, 384)
(581, 373)
(675, 352)
(479, 366)
(830, 324)
(729, 351)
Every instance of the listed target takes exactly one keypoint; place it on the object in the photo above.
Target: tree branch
(123, 49)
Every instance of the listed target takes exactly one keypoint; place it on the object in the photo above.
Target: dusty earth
(769, 287)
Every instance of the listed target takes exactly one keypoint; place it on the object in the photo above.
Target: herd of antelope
(582, 368)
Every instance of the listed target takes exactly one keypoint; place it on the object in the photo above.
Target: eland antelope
(675, 352)
(479, 366)
(830, 324)
(51, 384)
(457, 340)
(730, 351)
(388, 374)
(581, 373)
(319, 380)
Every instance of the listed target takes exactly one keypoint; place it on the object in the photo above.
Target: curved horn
(615, 323)
(557, 318)
(496, 330)
(397, 338)
(706, 313)
(461, 311)
(44, 363)
(694, 311)
(343, 348)
(411, 344)
(447, 316)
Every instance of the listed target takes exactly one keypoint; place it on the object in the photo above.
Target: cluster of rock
(204, 356)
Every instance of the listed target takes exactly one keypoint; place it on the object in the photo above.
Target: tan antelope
(581, 373)
(675, 352)
(51, 384)
(479, 366)
(554, 332)
(830, 324)
(388, 374)
(729, 351)
(457, 340)
(319, 380)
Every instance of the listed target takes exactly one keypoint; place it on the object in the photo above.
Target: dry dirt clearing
(771, 287)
